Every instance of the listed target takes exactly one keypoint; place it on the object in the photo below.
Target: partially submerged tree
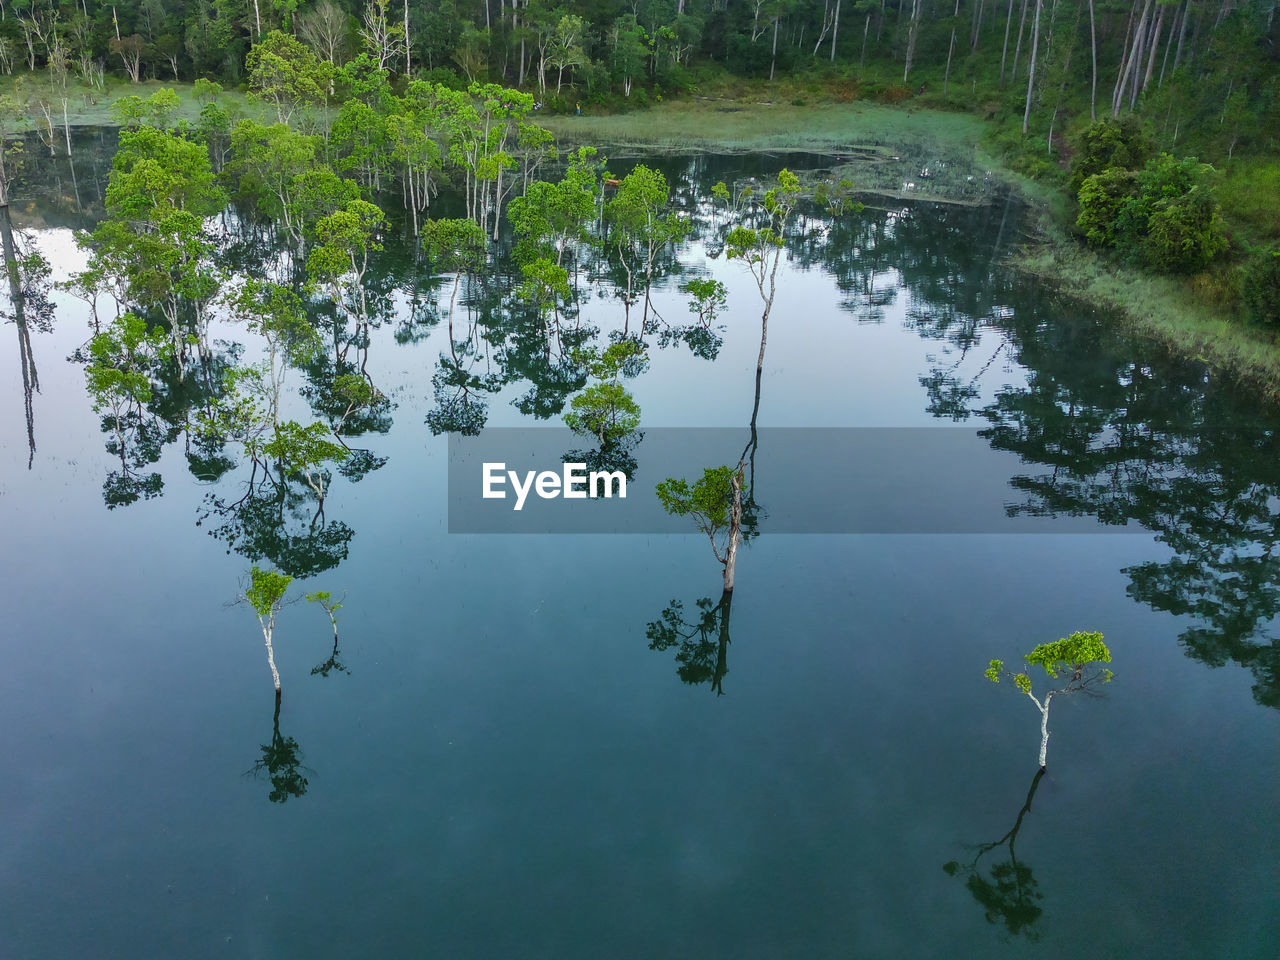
(1075, 657)
(715, 503)
(606, 410)
(331, 606)
(761, 248)
(266, 594)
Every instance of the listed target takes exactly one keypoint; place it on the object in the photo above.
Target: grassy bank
(1186, 316)
(747, 125)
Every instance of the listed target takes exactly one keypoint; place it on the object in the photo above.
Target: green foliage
(345, 239)
(275, 313)
(304, 450)
(604, 410)
(550, 217)
(546, 284)
(286, 74)
(155, 173)
(121, 358)
(1165, 214)
(624, 358)
(1102, 197)
(325, 599)
(1184, 235)
(1110, 144)
(266, 591)
(455, 244)
(1262, 287)
(269, 163)
(753, 245)
(708, 500)
(1073, 656)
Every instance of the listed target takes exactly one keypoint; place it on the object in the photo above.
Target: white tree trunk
(267, 629)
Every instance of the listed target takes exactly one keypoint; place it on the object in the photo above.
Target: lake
(542, 744)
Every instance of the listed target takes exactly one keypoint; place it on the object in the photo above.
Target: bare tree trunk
(1151, 57)
(774, 62)
(408, 44)
(735, 530)
(1017, 50)
(1182, 35)
(1129, 60)
(1093, 47)
(1031, 72)
(267, 627)
(946, 77)
(1044, 729)
(1008, 22)
(912, 35)
(835, 29)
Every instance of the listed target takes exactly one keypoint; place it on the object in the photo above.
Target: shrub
(1103, 198)
(445, 77)
(1184, 234)
(1262, 288)
(1109, 143)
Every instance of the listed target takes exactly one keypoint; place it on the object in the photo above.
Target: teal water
(507, 768)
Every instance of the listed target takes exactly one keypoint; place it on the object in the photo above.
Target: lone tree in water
(715, 503)
(762, 248)
(331, 607)
(265, 595)
(1076, 657)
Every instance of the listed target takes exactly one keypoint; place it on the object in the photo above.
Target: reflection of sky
(509, 771)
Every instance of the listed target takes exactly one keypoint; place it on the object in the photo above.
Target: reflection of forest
(1106, 425)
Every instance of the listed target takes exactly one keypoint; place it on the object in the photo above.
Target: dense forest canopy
(1203, 70)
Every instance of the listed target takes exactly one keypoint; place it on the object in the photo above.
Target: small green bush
(1262, 288)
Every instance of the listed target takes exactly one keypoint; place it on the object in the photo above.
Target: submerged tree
(331, 607)
(1074, 657)
(762, 248)
(714, 501)
(266, 594)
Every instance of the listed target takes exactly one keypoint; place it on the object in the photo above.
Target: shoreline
(1160, 307)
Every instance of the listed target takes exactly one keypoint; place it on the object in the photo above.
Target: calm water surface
(506, 767)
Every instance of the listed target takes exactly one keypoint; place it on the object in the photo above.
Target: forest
(1157, 120)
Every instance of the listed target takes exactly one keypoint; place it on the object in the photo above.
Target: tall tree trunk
(1017, 50)
(1151, 58)
(1031, 71)
(774, 62)
(946, 77)
(835, 29)
(1093, 49)
(735, 530)
(912, 32)
(1129, 62)
(1008, 22)
(408, 44)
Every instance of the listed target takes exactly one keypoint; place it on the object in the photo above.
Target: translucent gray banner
(879, 480)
